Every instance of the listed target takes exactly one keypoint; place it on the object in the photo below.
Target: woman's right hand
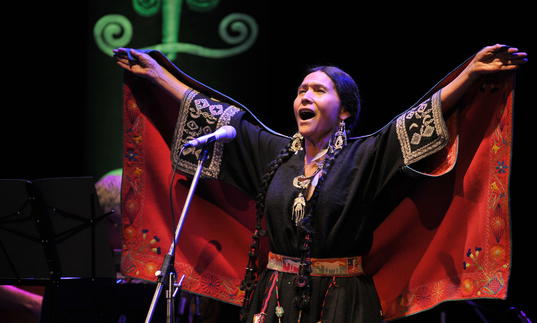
(138, 63)
(143, 65)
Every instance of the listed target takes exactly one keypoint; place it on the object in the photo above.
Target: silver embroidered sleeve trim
(422, 130)
(197, 117)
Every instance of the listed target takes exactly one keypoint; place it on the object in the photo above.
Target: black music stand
(51, 232)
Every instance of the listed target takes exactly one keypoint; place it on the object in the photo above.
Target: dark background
(62, 96)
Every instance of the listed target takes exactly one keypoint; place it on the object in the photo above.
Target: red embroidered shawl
(448, 240)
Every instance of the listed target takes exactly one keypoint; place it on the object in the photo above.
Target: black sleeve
(414, 135)
(241, 162)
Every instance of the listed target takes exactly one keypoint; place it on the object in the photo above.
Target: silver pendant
(299, 208)
(279, 313)
(301, 182)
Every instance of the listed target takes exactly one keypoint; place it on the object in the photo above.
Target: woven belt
(349, 266)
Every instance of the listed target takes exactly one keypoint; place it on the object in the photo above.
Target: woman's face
(317, 107)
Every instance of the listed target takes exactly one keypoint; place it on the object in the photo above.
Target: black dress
(367, 179)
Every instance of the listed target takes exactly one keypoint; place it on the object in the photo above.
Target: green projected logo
(236, 29)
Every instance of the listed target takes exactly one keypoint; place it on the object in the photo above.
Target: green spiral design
(146, 8)
(241, 25)
(112, 31)
(235, 29)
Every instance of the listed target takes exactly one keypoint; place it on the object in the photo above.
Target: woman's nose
(306, 97)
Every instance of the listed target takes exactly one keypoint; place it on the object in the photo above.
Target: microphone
(224, 134)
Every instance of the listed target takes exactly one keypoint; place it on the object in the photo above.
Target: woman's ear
(344, 114)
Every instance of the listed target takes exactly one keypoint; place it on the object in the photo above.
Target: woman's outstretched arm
(489, 60)
(143, 65)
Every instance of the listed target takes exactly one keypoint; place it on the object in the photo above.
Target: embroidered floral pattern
(133, 159)
(501, 167)
(131, 155)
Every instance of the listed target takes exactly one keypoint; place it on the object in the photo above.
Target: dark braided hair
(250, 277)
(349, 96)
(303, 279)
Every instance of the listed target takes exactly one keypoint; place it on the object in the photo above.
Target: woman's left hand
(489, 60)
(495, 58)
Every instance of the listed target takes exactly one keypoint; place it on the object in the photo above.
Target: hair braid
(250, 277)
(303, 279)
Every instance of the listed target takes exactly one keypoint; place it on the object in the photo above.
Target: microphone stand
(167, 275)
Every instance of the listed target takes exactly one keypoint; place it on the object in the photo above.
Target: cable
(174, 171)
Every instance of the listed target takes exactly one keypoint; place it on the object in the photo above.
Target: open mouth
(306, 114)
